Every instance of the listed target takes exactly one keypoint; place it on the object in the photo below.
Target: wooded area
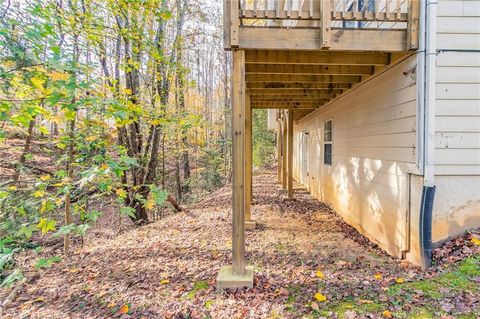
(125, 127)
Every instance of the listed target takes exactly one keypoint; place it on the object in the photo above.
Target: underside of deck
(303, 81)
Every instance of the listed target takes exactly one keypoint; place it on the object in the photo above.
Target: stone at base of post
(282, 191)
(227, 279)
(250, 224)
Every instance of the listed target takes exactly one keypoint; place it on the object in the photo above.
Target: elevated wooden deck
(301, 54)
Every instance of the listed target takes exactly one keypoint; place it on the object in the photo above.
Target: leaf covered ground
(308, 263)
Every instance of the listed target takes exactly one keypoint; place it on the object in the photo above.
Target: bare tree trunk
(26, 149)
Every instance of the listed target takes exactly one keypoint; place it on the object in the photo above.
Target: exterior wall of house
(457, 200)
(374, 153)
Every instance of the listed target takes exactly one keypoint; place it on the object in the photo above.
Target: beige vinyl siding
(374, 149)
(457, 125)
(458, 88)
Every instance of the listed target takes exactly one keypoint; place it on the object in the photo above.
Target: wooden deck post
(238, 167)
(413, 24)
(325, 21)
(279, 150)
(290, 153)
(237, 275)
(234, 23)
(284, 152)
(249, 223)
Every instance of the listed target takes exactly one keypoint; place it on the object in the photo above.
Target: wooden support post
(279, 151)
(249, 223)
(326, 16)
(238, 165)
(237, 275)
(290, 153)
(413, 24)
(284, 153)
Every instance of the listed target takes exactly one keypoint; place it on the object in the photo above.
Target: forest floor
(308, 264)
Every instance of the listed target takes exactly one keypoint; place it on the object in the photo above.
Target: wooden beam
(316, 57)
(298, 85)
(290, 153)
(238, 164)
(248, 159)
(308, 39)
(279, 106)
(261, 99)
(289, 78)
(309, 69)
(278, 92)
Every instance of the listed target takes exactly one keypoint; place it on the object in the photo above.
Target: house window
(327, 142)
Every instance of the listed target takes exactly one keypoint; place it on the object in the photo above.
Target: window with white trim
(327, 142)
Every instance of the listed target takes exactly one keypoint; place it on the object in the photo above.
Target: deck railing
(327, 15)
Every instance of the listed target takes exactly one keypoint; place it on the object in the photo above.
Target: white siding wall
(374, 149)
(457, 202)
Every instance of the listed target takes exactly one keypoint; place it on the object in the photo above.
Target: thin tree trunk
(26, 149)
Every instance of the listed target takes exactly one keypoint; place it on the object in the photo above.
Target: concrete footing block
(227, 279)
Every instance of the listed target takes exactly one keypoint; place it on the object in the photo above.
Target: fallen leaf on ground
(387, 314)
(320, 297)
(124, 309)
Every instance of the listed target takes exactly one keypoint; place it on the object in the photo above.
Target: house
(378, 112)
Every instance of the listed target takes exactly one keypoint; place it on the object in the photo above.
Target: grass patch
(457, 279)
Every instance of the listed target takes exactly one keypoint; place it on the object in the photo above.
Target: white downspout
(430, 92)
(428, 192)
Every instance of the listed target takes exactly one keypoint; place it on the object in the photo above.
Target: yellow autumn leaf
(164, 281)
(38, 83)
(475, 241)
(319, 274)
(38, 194)
(400, 280)
(44, 130)
(127, 91)
(387, 314)
(45, 178)
(320, 297)
(91, 138)
(12, 188)
(59, 76)
(104, 166)
(111, 305)
(121, 192)
(39, 299)
(150, 204)
(378, 276)
(124, 309)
